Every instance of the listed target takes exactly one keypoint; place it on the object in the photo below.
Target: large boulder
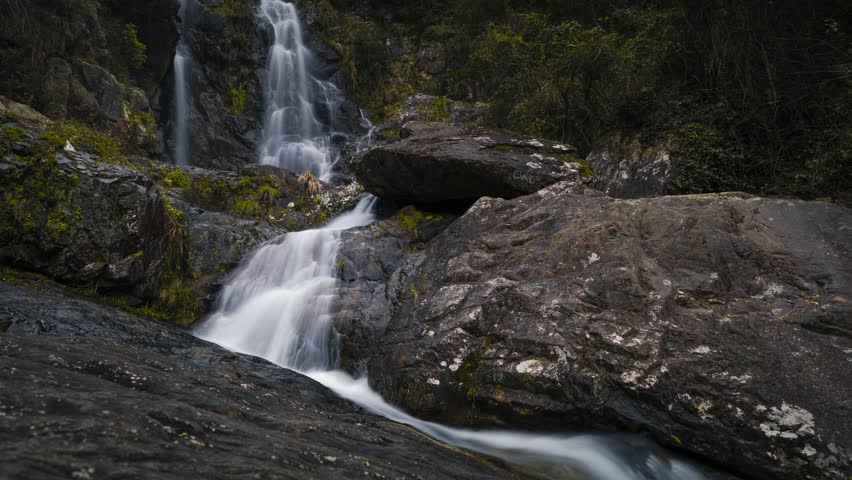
(441, 162)
(92, 392)
(717, 324)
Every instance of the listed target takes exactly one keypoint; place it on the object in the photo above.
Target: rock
(227, 95)
(71, 216)
(625, 169)
(422, 107)
(717, 324)
(55, 88)
(101, 394)
(83, 222)
(22, 113)
(440, 162)
(432, 58)
(45, 42)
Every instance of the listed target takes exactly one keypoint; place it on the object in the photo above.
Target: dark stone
(441, 162)
(624, 168)
(717, 324)
(432, 58)
(92, 392)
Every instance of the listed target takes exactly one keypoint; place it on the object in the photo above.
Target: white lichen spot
(535, 165)
(561, 147)
(714, 276)
(809, 451)
(443, 364)
(533, 367)
(788, 422)
(593, 258)
(702, 350)
(433, 381)
(630, 377)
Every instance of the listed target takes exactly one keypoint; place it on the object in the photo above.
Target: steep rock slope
(90, 392)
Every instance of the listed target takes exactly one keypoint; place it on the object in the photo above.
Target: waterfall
(279, 304)
(301, 110)
(182, 88)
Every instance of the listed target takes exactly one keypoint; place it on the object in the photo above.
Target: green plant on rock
(133, 48)
(38, 195)
(439, 110)
(85, 138)
(238, 101)
(409, 218)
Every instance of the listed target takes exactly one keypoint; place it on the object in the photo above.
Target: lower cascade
(278, 306)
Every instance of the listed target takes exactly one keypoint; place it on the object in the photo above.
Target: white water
(182, 88)
(278, 305)
(300, 114)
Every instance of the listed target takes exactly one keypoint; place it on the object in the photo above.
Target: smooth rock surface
(87, 391)
(441, 162)
(718, 324)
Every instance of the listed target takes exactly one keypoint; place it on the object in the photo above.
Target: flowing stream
(183, 87)
(278, 305)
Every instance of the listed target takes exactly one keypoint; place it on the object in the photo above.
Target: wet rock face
(101, 226)
(625, 169)
(50, 48)
(440, 162)
(717, 324)
(91, 392)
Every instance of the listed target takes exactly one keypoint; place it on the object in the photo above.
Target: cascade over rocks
(718, 324)
(153, 401)
(441, 162)
(79, 220)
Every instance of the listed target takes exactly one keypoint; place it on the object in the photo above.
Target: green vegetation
(439, 110)
(37, 192)
(238, 101)
(755, 97)
(132, 47)
(410, 219)
(84, 137)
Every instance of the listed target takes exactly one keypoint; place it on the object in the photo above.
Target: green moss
(439, 110)
(585, 169)
(176, 178)
(178, 302)
(13, 133)
(84, 137)
(37, 196)
(135, 50)
(409, 218)
(238, 101)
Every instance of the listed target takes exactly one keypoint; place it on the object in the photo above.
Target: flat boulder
(442, 162)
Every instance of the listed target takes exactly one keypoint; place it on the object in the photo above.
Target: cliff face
(101, 61)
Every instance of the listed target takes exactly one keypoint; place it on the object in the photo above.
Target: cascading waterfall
(294, 136)
(279, 304)
(182, 88)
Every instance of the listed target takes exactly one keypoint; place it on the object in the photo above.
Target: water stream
(183, 88)
(278, 304)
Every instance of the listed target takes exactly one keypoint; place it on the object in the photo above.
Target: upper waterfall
(182, 89)
(300, 109)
